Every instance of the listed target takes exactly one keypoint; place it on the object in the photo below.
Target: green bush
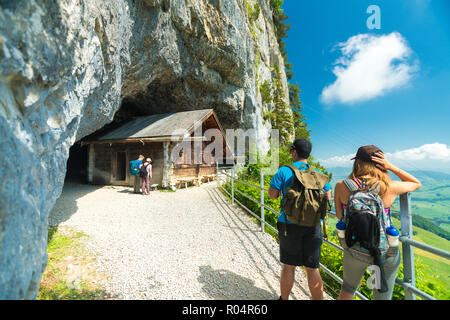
(266, 92)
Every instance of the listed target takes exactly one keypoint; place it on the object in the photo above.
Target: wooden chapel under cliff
(155, 136)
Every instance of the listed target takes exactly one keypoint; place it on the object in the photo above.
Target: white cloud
(370, 66)
(338, 161)
(433, 151)
(427, 156)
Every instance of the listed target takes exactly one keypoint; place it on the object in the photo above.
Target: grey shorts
(355, 265)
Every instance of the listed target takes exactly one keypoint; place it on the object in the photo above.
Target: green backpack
(305, 201)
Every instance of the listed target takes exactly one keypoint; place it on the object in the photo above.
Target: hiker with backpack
(145, 172)
(135, 166)
(362, 204)
(305, 194)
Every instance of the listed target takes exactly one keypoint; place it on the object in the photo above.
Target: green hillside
(433, 201)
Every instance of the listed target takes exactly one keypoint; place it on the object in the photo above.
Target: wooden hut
(155, 136)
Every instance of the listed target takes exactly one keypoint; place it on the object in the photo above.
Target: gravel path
(188, 244)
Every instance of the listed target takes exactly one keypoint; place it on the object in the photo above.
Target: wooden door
(120, 166)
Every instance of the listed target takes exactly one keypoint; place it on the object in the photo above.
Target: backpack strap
(351, 185)
(310, 178)
(389, 215)
(355, 184)
(375, 188)
(324, 227)
(360, 185)
(295, 170)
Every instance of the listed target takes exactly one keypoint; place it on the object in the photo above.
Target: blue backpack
(134, 167)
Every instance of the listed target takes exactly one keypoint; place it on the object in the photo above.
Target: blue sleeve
(327, 186)
(277, 180)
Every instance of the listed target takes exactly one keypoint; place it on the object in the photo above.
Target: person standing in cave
(146, 175)
(137, 181)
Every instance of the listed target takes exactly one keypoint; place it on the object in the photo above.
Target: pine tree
(300, 126)
(282, 118)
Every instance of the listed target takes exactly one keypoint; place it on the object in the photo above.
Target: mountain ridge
(424, 176)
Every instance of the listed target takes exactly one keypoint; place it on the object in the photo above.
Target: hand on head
(381, 162)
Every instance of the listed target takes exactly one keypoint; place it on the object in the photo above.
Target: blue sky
(389, 87)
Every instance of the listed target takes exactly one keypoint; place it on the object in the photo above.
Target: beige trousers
(137, 184)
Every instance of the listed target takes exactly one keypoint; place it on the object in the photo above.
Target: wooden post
(217, 173)
(165, 179)
(197, 169)
(170, 179)
(112, 173)
(91, 163)
(127, 161)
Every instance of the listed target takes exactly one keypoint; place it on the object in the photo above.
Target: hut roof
(158, 125)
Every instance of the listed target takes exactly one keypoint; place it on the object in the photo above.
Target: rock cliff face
(66, 67)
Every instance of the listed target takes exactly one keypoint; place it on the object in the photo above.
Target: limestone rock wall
(67, 66)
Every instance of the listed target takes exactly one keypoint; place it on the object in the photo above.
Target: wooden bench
(194, 180)
(208, 177)
(186, 180)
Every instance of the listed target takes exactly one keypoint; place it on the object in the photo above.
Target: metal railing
(406, 237)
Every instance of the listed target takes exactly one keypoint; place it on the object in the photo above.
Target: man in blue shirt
(299, 246)
(137, 178)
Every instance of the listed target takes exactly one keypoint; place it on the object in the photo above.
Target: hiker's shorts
(301, 246)
(355, 264)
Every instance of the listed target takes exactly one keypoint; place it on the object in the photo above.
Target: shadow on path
(226, 285)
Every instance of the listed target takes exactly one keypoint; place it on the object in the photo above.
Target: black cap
(365, 153)
(303, 148)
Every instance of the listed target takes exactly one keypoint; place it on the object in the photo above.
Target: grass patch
(71, 272)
